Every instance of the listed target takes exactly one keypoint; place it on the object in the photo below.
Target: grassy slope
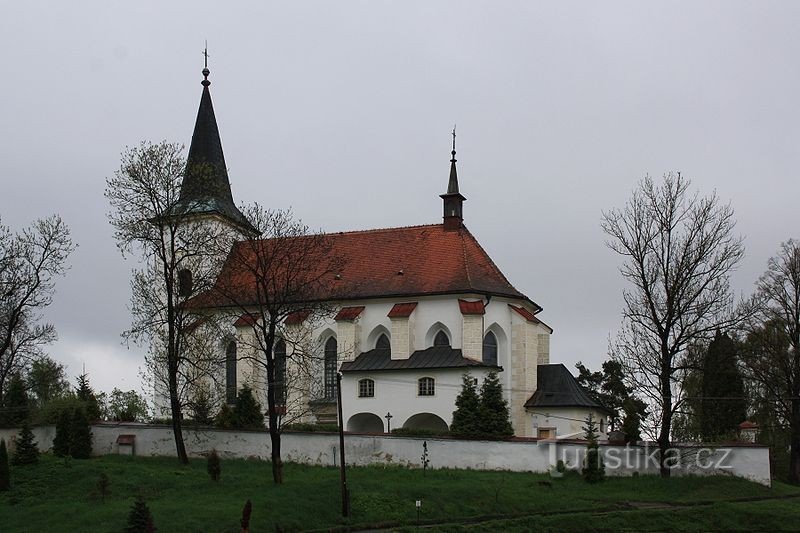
(57, 496)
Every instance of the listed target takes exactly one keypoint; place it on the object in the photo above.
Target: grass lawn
(59, 496)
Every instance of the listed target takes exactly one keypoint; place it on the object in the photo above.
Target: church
(413, 309)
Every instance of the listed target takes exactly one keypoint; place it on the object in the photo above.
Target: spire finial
(454, 144)
(206, 72)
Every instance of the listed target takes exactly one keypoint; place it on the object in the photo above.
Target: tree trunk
(666, 422)
(274, 430)
(175, 406)
(794, 452)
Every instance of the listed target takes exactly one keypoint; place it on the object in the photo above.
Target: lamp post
(388, 418)
(343, 475)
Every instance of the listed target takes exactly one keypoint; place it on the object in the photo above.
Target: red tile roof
(527, 315)
(349, 313)
(471, 308)
(403, 310)
(297, 317)
(245, 320)
(393, 262)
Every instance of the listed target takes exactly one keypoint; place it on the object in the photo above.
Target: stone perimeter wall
(746, 461)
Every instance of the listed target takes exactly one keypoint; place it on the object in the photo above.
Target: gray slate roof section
(206, 187)
(557, 387)
(433, 357)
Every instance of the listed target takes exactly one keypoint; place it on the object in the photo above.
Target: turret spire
(206, 188)
(453, 200)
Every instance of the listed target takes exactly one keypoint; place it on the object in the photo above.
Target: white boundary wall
(746, 461)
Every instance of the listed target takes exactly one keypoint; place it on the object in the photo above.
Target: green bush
(15, 405)
(80, 435)
(311, 428)
(593, 469)
(26, 453)
(5, 474)
(61, 442)
(245, 414)
(140, 520)
(419, 432)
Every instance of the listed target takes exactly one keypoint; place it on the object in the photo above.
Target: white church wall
(397, 393)
(746, 461)
(567, 422)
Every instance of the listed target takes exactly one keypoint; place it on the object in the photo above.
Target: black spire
(206, 188)
(453, 200)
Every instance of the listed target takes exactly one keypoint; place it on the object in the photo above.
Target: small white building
(417, 307)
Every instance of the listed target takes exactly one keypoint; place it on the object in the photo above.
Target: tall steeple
(452, 199)
(206, 188)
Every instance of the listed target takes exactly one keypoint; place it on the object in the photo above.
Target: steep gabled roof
(394, 262)
(433, 357)
(557, 387)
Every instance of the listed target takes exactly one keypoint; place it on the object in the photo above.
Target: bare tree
(679, 250)
(772, 346)
(30, 262)
(176, 248)
(286, 270)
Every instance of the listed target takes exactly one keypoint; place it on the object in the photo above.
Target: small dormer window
(441, 339)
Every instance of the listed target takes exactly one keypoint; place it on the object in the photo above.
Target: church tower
(452, 199)
(206, 189)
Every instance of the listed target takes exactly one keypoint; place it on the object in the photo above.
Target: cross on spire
(206, 72)
(454, 141)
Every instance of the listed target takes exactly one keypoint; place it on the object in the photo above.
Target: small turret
(452, 199)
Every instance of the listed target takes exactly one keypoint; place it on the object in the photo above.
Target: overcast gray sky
(342, 110)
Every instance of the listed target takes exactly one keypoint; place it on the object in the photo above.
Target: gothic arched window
(331, 348)
(441, 339)
(230, 372)
(490, 349)
(383, 343)
(280, 372)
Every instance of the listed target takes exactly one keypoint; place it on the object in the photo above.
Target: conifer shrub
(245, 521)
(5, 474)
(26, 453)
(87, 397)
(15, 407)
(214, 465)
(80, 435)
(62, 440)
(225, 418)
(466, 416)
(140, 520)
(200, 407)
(494, 420)
(247, 411)
(593, 469)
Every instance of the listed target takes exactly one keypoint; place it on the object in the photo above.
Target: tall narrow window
(185, 282)
(383, 343)
(230, 372)
(441, 339)
(331, 348)
(490, 349)
(280, 372)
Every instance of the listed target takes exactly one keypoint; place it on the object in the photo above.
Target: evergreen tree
(200, 407)
(80, 435)
(16, 404)
(225, 418)
(608, 388)
(86, 394)
(5, 474)
(466, 416)
(247, 411)
(63, 439)
(26, 453)
(140, 520)
(723, 406)
(593, 468)
(493, 410)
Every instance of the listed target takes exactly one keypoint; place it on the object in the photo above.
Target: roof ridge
(378, 230)
(466, 261)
